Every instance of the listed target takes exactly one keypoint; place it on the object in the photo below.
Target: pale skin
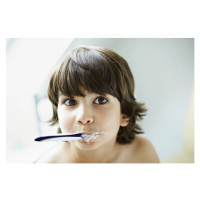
(96, 113)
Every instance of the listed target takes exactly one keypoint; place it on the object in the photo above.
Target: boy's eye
(100, 100)
(70, 102)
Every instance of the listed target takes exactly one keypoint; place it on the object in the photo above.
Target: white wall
(164, 73)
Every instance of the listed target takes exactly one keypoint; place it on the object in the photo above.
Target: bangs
(88, 70)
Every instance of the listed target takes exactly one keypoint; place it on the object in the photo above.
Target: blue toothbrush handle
(60, 137)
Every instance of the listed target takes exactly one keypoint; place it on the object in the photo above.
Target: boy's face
(89, 114)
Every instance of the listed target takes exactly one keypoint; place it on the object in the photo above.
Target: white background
(98, 19)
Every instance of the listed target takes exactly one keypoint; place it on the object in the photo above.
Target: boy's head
(101, 71)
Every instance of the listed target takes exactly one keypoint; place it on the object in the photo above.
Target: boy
(93, 91)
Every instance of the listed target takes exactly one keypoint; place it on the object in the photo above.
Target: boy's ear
(124, 120)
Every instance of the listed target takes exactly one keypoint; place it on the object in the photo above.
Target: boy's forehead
(60, 94)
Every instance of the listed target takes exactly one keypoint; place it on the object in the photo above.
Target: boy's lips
(90, 136)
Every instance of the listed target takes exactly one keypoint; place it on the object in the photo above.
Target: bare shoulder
(51, 156)
(144, 150)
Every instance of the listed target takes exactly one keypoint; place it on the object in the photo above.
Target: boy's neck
(105, 154)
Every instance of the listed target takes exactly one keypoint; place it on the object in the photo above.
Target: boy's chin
(86, 146)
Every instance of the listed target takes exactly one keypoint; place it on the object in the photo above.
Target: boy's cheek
(64, 123)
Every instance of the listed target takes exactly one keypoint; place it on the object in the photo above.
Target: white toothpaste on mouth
(90, 137)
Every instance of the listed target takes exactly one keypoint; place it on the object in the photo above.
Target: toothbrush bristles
(83, 136)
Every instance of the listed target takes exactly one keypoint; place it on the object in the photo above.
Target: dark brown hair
(98, 70)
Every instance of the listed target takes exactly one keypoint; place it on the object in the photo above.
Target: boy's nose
(84, 116)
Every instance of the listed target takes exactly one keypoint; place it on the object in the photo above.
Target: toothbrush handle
(62, 137)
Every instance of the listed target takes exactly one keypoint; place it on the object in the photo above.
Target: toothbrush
(61, 137)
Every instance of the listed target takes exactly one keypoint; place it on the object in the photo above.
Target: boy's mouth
(89, 136)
